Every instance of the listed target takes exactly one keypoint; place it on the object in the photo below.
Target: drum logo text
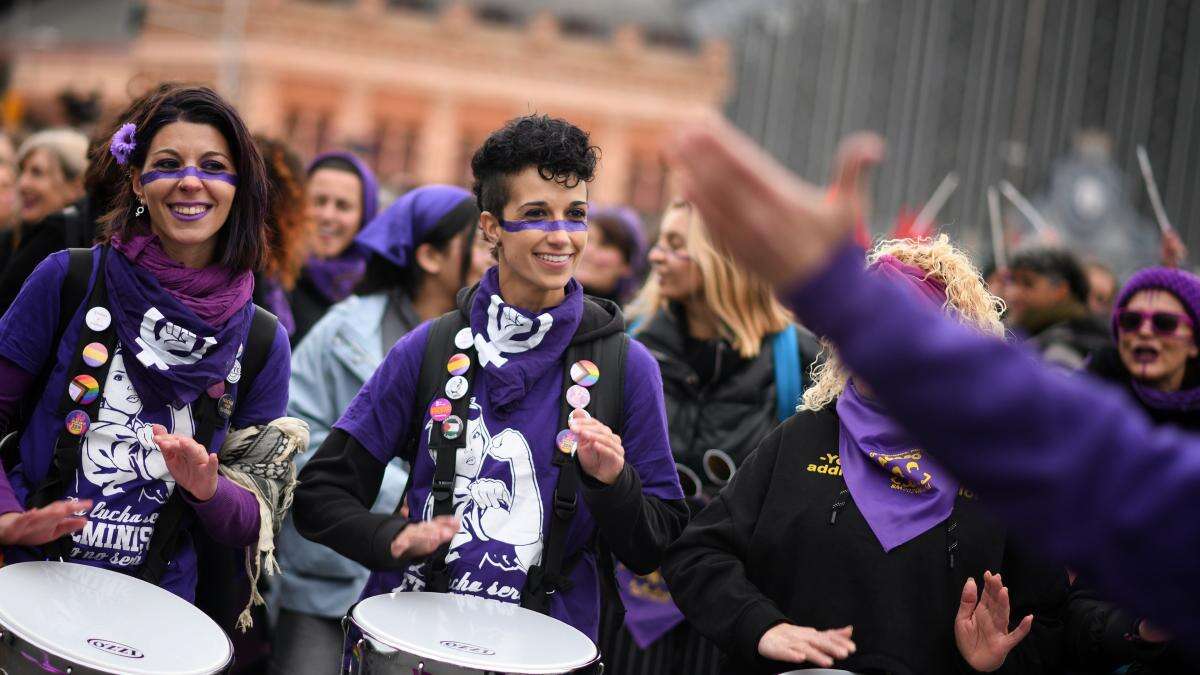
(468, 648)
(115, 648)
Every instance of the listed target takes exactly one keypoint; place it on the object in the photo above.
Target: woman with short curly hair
(840, 541)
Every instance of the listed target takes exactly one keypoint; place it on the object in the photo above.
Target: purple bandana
(649, 611)
(396, 232)
(544, 225)
(178, 355)
(335, 278)
(180, 174)
(516, 347)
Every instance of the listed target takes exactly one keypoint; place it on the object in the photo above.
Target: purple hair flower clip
(123, 143)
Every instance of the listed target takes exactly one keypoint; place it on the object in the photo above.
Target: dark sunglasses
(1162, 323)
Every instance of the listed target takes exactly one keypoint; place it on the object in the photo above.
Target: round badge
(78, 422)
(578, 397)
(83, 389)
(566, 441)
(456, 387)
(452, 427)
(235, 373)
(95, 355)
(585, 373)
(225, 406)
(97, 318)
(578, 413)
(463, 339)
(216, 389)
(458, 364)
(440, 409)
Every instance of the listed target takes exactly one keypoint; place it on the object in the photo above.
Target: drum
(818, 671)
(60, 617)
(450, 634)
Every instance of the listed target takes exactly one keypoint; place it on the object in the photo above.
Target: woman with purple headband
(132, 391)
(343, 196)
(839, 540)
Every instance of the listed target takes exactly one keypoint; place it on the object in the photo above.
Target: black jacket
(73, 227)
(769, 550)
(715, 399)
(308, 305)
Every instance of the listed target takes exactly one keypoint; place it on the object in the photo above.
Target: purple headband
(180, 174)
(544, 225)
(911, 277)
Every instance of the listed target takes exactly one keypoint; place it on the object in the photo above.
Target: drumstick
(993, 199)
(928, 212)
(1026, 209)
(1160, 213)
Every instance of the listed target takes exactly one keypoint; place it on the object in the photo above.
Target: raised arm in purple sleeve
(231, 516)
(1074, 466)
(14, 385)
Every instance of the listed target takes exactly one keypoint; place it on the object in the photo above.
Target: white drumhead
(109, 621)
(474, 632)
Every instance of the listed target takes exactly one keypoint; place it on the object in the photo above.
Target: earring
(140, 209)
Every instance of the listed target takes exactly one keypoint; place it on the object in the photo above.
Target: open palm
(981, 628)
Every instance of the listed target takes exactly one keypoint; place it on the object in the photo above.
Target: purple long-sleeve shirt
(230, 516)
(1071, 463)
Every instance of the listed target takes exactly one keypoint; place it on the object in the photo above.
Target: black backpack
(609, 352)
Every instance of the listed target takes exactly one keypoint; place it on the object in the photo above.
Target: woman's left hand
(599, 451)
(193, 468)
(981, 628)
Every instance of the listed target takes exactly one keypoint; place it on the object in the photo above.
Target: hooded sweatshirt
(510, 446)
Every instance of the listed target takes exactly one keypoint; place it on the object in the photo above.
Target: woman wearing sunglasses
(1155, 356)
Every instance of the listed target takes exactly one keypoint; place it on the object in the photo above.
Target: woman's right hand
(800, 644)
(420, 539)
(42, 526)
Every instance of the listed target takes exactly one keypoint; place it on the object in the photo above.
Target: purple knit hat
(631, 222)
(1183, 285)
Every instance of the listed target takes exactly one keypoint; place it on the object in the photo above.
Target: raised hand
(420, 539)
(42, 526)
(768, 218)
(801, 644)
(600, 452)
(193, 468)
(981, 627)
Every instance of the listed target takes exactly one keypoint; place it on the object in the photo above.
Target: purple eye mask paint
(544, 225)
(180, 174)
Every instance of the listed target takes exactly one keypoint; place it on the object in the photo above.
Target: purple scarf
(515, 346)
(649, 610)
(335, 278)
(213, 293)
(176, 354)
(900, 490)
(1179, 401)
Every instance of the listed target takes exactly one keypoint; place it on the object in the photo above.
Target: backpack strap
(789, 378)
(547, 578)
(439, 349)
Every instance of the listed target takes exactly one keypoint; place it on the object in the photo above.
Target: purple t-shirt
(120, 469)
(504, 481)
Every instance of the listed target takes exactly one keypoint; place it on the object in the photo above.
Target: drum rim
(489, 667)
(37, 642)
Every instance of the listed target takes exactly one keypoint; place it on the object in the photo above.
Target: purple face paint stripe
(544, 225)
(192, 171)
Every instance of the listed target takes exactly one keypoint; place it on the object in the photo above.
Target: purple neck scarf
(516, 347)
(900, 490)
(335, 278)
(176, 354)
(649, 610)
(213, 293)
(1180, 401)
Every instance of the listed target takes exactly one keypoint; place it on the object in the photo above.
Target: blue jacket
(329, 366)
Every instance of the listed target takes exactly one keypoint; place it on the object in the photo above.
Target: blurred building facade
(413, 85)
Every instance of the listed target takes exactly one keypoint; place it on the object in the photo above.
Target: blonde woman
(840, 542)
(722, 341)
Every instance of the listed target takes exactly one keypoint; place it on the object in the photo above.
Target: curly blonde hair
(966, 295)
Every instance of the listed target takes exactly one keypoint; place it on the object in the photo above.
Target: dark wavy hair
(1055, 263)
(287, 222)
(242, 240)
(560, 151)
